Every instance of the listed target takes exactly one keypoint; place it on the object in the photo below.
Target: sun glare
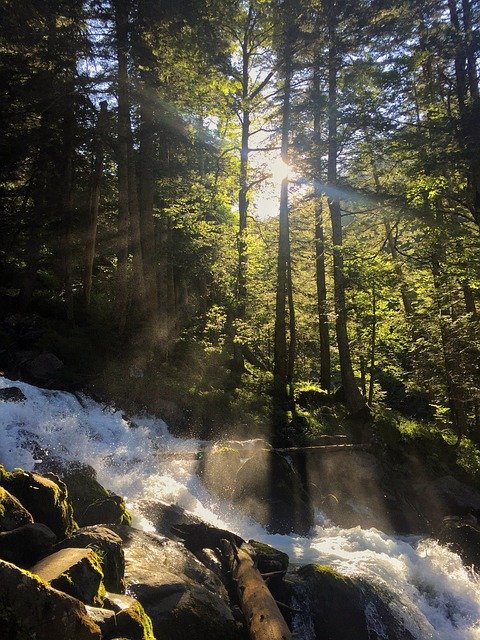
(280, 170)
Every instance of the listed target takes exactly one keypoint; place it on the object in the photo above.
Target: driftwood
(262, 615)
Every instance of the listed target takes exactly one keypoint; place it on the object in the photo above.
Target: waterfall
(432, 593)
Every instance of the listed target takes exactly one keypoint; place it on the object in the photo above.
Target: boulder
(174, 522)
(267, 558)
(462, 535)
(76, 572)
(29, 608)
(12, 394)
(130, 622)
(445, 496)
(217, 469)
(12, 513)
(26, 545)
(183, 598)
(269, 490)
(338, 607)
(108, 545)
(44, 497)
(92, 503)
(42, 369)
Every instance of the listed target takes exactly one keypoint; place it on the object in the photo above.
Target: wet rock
(183, 598)
(130, 622)
(109, 546)
(32, 609)
(26, 545)
(12, 513)
(176, 523)
(270, 490)
(446, 496)
(12, 394)
(462, 535)
(267, 558)
(117, 601)
(338, 607)
(44, 497)
(217, 469)
(42, 369)
(92, 503)
(76, 572)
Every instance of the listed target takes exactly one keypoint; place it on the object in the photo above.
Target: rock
(217, 469)
(26, 545)
(183, 598)
(118, 601)
(12, 394)
(45, 498)
(43, 369)
(269, 490)
(131, 622)
(109, 547)
(446, 496)
(92, 503)
(176, 523)
(267, 558)
(76, 572)
(32, 609)
(12, 513)
(339, 607)
(462, 535)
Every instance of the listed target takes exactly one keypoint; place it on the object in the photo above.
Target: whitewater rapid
(434, 595)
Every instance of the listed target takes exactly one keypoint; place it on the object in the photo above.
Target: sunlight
(280, 170)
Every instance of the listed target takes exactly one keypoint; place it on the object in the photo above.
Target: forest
(247, 215)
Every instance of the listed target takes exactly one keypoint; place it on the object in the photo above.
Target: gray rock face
(112, 557)
(32, 609)
(26, 545)
(75, 572)
(182, 597)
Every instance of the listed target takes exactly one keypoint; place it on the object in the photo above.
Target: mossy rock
(341, 607)
(12, 513)
(46, 498)
(92, 503)
(267, 558)
(77, 572)
(135, 623)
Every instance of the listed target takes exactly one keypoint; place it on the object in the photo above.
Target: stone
(12, 394)
(29, 608)
(44, 497)
(43, 369)
(130, 622)
(12, 513)
(183, 598)
(117, 601)
(92, 504)
(446, 496)
(340, 607)
(462, 535)
(76, 572)
(174, 522)
(270, 491)
(217, 470)
(109, 547)
(26, 545)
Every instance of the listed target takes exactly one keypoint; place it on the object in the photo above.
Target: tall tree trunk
(322, 302)
(94, 203)
(121, 22)
(281, 366)
(355, 401)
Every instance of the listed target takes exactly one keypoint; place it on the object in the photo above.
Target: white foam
(435, 596)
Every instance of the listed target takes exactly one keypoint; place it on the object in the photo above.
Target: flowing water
(435, 596)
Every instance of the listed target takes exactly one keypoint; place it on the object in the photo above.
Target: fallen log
(263, 618)
(198, 455)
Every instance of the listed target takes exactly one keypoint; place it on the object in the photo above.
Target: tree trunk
(354, 399)
(121, 21)
(322, 302)
(94, 203)
(280, 368)
(262, 615)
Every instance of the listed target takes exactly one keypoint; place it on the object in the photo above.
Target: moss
(311, 570)
(138, 623)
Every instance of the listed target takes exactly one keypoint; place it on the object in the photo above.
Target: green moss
(312, 570)
(139, 624)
